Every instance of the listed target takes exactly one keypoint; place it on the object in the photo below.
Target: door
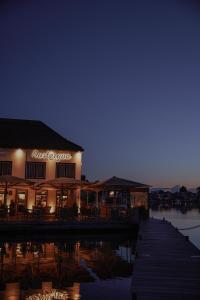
(41, 198)
(21, 200)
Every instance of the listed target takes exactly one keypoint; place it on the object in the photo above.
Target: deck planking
(167, 265)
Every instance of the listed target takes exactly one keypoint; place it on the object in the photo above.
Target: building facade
(33, 151)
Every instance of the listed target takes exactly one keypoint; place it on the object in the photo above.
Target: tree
(183, 189)
(198, 193)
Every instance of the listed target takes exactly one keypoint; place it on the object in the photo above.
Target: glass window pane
(35, 170)
(5, 167)
(65, 170)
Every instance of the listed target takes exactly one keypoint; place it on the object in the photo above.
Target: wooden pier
(167, 264)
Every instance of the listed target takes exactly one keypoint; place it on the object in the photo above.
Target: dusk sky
(120, 78)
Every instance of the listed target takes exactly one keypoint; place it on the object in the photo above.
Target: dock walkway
(167, 265)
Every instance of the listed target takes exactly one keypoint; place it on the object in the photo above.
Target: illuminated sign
(50, 155)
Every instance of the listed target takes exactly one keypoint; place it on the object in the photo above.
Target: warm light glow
(18, 251)
(111, 194)
(47, 286)
(51, 155)
(19, 153)
(78, 155)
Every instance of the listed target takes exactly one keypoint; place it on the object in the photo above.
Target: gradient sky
(120, 78)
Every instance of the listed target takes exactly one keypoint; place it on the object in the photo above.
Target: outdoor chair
(63, 213)
(114, 214)
(3, 212)
(68, 213)
(22, 212)
(85, 213)
(45, 212)
(27, 213)
(36, 213)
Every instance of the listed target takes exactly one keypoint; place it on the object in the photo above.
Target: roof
(13, 180)
(31, 134)
(119, 182)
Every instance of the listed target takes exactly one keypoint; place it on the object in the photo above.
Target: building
(118, 194)
(40, 173)
(33, 151)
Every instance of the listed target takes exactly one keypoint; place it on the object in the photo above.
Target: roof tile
(30, 134)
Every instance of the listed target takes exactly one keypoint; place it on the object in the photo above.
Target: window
(21, 200)
(5, 168)
(65, 170)
(35, 170)
(62, 197)
(41, 198)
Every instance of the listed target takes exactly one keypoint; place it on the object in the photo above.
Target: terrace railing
(69, 214)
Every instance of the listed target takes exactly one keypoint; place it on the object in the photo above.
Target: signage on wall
(50, 155)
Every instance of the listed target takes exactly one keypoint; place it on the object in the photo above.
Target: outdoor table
(3, 212)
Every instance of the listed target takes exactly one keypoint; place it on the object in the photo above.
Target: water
(78, 268)
(182, 219)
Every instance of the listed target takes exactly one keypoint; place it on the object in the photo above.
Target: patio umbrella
(7, 181)
(62, 183)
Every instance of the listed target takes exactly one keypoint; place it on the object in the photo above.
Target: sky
(121, 78)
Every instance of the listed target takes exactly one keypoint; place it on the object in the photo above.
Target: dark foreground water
(77, 268)
(182, 219)
(86, 268)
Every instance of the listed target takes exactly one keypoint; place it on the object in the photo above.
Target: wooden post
(97, 199)
(87, 198)
(78, 199)
(5, 193)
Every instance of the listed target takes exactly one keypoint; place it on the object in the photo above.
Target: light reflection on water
(84, 269)
(182, 219)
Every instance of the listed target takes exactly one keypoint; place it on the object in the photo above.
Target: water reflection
(36, 270)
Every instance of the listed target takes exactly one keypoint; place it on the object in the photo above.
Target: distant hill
(174, 189)
(160, 189)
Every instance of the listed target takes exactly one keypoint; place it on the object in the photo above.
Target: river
(74, 268)
(182, 219)
(77, 268)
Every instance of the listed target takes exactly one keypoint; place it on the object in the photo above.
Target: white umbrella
(7, 181)
(63, 183)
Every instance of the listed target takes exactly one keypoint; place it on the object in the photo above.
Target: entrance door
(21, 201)
(41, 198)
